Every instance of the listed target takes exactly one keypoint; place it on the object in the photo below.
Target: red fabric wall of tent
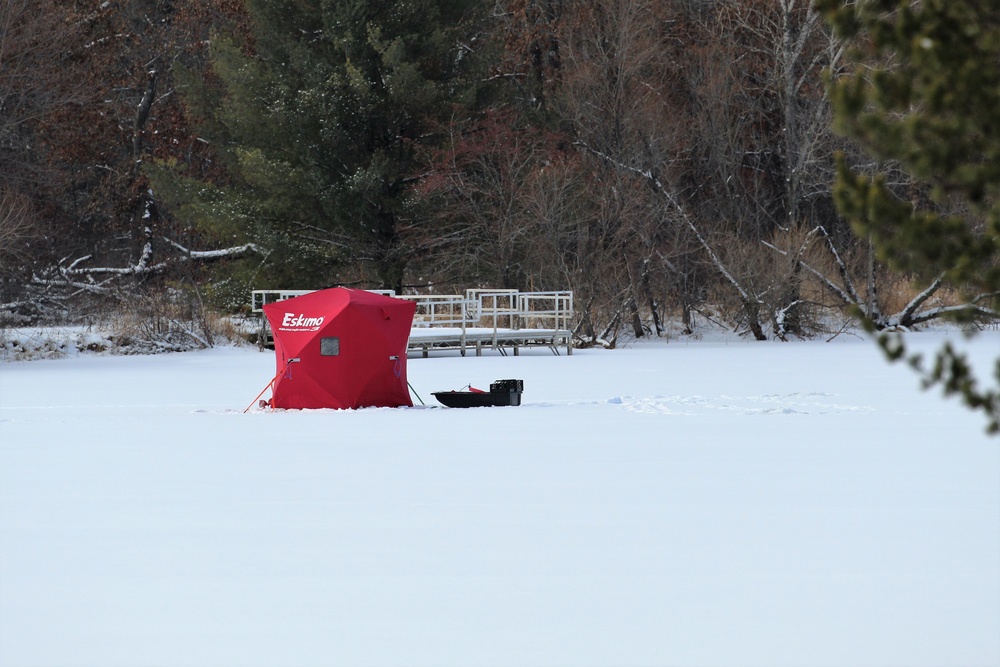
(350, 347)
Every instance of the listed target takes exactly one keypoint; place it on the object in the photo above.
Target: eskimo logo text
(293, 322)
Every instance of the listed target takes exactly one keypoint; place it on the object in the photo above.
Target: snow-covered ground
(710, 503)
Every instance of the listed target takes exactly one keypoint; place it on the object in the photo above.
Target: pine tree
(321, 122)
(924, 93)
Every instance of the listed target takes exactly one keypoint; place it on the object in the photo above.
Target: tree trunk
(753, 320)
(686, 317)
(648, 291)
(142, 115)
(637, 327)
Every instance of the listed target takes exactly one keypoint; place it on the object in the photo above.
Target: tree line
(661, 158)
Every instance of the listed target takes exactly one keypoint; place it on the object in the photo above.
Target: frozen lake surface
(710, 503)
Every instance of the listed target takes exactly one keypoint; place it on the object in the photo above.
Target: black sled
(502, 392)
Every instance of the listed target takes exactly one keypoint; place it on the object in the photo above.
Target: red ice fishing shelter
(340, 348)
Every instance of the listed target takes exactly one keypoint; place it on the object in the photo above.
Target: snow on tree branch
(71, 277)
(210, 255)
(143, 266)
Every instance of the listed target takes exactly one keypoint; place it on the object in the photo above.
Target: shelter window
(329, 347)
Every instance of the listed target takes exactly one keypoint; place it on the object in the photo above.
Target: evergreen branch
(953, 373)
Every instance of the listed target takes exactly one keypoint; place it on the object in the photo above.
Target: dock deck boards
(426, 339)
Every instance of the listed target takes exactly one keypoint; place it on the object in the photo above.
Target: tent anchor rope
(411, 389)
(270, 384)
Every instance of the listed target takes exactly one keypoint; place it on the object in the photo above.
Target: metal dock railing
(497, 319)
